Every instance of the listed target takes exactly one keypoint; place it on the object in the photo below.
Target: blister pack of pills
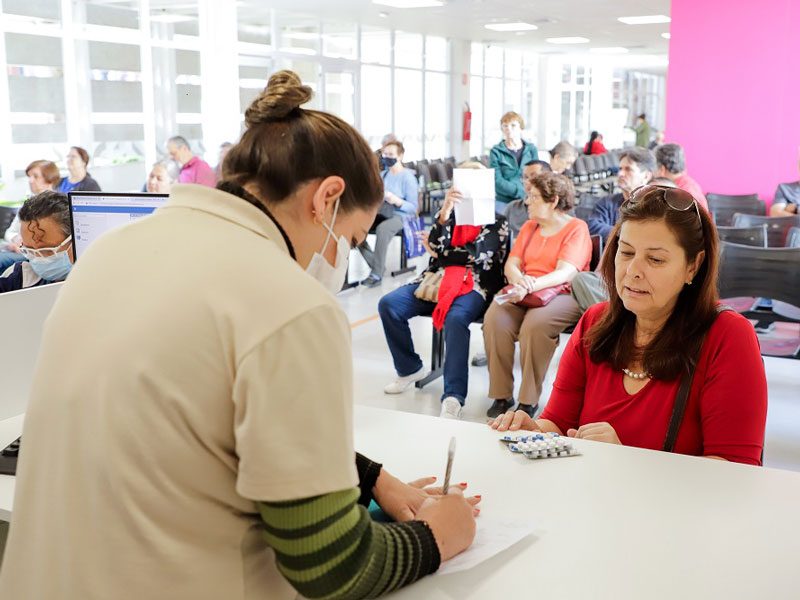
(540, 445)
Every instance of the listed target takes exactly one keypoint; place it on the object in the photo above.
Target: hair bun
(284, 93)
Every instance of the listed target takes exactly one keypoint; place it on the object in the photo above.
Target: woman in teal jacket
(508, 158)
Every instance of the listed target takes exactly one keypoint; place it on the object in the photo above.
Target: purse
(539, 297)
(428, 289)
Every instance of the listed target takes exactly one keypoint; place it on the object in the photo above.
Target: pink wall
(733, 92)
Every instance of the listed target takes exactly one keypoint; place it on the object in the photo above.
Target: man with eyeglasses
(46, 243)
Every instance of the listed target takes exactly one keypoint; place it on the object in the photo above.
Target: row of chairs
(593, 167)
(724, 206)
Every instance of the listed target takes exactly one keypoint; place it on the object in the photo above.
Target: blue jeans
(396, 309)
(9, 258)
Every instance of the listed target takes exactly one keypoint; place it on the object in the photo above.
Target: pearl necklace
(633, 375)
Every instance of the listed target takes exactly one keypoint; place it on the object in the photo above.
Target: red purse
(540, 297)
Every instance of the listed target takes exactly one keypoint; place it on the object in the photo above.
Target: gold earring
(689, 282)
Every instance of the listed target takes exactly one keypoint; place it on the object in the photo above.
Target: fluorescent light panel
(645, 20)
(511, 26)
(409, 3)
(567, 40)
(609, 50)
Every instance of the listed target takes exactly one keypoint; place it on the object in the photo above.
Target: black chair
(752, 273)
(7, 215)
(793, 238)
(581, 170)
(723, 206)
(749, 236)
(777, 227)
(597, 251)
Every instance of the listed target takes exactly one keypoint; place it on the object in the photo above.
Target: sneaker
(399, 385)
(528, 408)
(479, 360)
(451, 408)
(371, 281)
(500, 407)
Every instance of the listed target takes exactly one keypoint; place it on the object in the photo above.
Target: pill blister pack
(540, 445)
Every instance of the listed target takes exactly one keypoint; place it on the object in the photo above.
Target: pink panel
(733, 92)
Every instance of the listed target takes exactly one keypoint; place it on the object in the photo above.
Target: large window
(576, 85)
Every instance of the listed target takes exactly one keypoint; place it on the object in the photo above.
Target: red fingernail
(478, 496)
(434, 478)
(463, 484)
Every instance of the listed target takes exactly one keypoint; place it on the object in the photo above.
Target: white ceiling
(465, 19)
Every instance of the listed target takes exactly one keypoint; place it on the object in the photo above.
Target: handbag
(428, 289)
(540, 297)
(411, 229)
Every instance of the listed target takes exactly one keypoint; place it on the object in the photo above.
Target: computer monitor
(24, 313)
(94, 213)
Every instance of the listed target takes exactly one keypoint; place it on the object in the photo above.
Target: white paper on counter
(492, 536)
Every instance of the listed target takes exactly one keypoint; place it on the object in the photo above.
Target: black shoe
(530, 409)
(479, 360)
(371, 281)
(499, 407)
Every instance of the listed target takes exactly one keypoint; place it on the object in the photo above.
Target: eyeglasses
(675, 198)
(30, 253)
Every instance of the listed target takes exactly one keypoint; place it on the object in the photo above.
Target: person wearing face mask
(78, 179)
(46, 243)
(42, 175)
(209, 423)
(507, 159)
(400, 201)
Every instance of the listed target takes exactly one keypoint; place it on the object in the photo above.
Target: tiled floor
(373, 370)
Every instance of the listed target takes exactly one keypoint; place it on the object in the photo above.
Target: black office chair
(777, 227)
(724, 206)
(750, 273)
(597, 251)
(7, 215)
(793, 238)
(749, 236)
(581, 169)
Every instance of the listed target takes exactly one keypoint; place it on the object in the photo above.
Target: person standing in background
(193, 169)
(642, 130)
(78, 179)
(507, 159)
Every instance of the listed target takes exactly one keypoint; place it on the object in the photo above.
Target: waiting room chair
(748, 273)
(749, 236)
(777, 227)
(723, 207)
(793, 238)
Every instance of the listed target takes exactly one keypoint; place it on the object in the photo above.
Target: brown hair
(285, 146)
(49, 170)
(83, 154)
(552, 187)
(674, 351)
(401, 150)
(512, 116)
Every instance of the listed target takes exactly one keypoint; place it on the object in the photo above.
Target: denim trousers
(398, 307)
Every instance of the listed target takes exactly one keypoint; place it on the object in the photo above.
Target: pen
(451, 451)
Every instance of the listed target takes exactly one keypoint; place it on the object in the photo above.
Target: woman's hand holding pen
(402, 501)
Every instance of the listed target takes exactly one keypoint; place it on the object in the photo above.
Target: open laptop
(94, 213)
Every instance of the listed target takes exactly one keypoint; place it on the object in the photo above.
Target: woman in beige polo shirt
(189, 433)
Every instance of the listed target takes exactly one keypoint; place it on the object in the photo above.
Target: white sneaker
(401, 383)
(451, 408)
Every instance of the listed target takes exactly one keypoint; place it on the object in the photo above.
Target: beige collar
(225, 206)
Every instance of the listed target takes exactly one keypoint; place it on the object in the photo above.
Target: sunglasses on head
(675, 198)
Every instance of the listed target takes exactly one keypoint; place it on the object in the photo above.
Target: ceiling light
(645, 20)
(609, 50)
(666, 36)
(409, 3)
(511, 26)
(567, 40)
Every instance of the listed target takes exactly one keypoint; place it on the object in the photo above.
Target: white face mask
(332, 277)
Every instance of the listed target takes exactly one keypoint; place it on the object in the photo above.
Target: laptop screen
(94, 213)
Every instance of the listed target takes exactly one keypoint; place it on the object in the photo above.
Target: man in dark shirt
(787, 199)
(636, 168)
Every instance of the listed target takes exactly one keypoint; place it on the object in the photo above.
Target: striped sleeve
(328, 548)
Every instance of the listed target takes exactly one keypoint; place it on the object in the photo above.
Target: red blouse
(725, 414)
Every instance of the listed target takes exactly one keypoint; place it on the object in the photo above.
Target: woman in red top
(619, 376)
(595, 144)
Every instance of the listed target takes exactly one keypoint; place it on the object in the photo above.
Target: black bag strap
(682, 397)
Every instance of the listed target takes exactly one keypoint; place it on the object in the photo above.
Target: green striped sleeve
(328, 548)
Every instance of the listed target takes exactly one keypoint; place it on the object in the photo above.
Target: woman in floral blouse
(470, 260)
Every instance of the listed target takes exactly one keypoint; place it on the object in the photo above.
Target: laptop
(94, 213)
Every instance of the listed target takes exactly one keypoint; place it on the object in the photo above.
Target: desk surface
(615, 522)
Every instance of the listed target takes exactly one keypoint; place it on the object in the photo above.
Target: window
(340, 41)
(437, 113)
(437, 56)
(376, 103)
(408, 50)
(408, 111)
(376, 46)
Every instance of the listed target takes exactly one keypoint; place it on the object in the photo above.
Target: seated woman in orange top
(551, 249)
